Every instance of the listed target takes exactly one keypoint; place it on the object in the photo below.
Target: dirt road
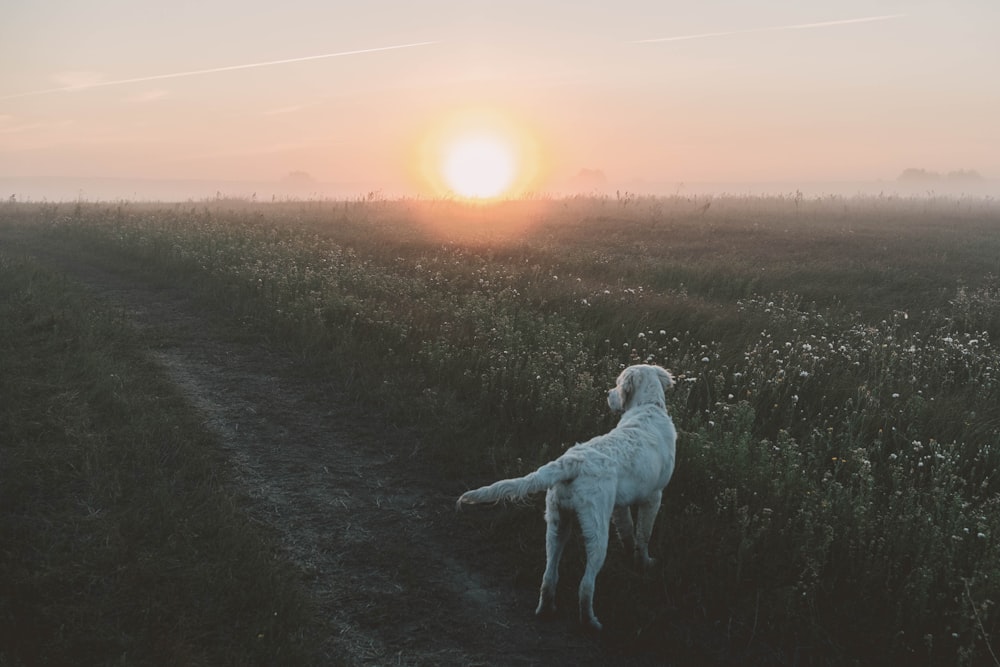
(397, 574)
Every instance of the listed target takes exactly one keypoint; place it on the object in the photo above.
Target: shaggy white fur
(602, 479)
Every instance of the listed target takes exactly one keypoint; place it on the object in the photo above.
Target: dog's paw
(592, 625)
(546, 606)
(647, 563)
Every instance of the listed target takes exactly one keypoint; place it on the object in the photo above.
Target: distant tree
(922, 176)
(918, 176)
(588, 180)
(301, 178)
(965, 176)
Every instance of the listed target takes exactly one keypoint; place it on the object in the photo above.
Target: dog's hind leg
(646, 515)
(559, 527)
(594, 526)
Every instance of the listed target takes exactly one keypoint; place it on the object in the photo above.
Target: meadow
(121, 540)
(836, 497)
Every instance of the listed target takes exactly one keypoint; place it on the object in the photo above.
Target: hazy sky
(661, 91)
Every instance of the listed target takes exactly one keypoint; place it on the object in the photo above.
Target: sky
(370, 93)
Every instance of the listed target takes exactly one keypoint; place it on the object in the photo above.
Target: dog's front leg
(646, 515)
(623, 524)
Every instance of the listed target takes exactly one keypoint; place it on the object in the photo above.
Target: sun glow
(479, 167)
(480, 155)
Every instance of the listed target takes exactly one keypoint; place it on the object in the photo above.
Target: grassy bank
(836, 496)
(122, 542)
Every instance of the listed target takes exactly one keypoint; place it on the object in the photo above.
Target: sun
(479, 166)
(481, 154)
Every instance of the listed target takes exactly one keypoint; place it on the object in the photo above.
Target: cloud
(252, 151)
(86, 80)
(18, 129)
(9, 125)
(796, 26)
(16, 136)
(148, 96)
(77, 80)
(281, 110)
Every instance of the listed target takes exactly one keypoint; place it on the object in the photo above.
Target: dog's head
(639, 385)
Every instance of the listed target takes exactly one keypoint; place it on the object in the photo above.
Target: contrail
(797, 26)
(230, 68)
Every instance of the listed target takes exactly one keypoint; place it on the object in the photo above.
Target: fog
(140, 190)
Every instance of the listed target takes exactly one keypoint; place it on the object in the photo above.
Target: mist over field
(142, 190)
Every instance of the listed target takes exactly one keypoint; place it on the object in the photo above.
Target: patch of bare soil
(397, 575)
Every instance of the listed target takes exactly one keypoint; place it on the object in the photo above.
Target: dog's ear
(666, 379)
(626, 382)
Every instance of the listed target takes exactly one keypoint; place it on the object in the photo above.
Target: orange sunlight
(480, 154)
(479, 167)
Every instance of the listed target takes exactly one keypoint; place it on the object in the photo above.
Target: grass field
(122, 541)
(838, 379)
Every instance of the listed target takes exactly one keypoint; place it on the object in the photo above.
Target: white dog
(600, 479)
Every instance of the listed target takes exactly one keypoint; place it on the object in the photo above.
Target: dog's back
(634, 459)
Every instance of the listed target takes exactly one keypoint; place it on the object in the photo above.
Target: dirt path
(398, 575)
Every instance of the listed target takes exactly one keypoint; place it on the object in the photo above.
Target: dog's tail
(561, 470)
